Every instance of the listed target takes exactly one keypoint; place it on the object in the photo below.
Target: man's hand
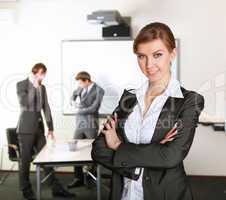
(36, 82)
(111, 136)
(51, 135)
(71, 103)
(169, 136)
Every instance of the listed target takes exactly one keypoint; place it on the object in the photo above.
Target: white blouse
(140, 130)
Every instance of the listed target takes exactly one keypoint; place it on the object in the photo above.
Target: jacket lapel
(126, 104)
(88, 93)
(167, 118)
(42, 100)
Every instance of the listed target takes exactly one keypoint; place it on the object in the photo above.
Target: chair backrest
(12, 139)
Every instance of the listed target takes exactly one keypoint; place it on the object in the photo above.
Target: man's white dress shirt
(86, 90)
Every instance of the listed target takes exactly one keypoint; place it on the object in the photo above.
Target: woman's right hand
(109, 131)
(169, 136)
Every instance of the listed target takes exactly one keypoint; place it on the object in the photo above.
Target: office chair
(13, 153)
(14, 156)
(13, 150)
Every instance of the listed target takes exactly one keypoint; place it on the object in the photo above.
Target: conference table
(58, 154)
(218, 123)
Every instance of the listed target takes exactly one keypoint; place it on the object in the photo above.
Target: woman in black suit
(151, 130)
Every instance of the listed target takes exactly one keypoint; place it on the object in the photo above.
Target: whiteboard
(111, 64)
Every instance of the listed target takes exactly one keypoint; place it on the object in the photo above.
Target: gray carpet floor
(204, 188)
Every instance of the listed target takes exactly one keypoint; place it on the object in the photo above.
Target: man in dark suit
(87, 122)
(32, 97)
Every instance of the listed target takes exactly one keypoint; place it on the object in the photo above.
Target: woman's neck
(158, 87)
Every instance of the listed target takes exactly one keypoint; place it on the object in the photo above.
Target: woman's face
(154, 59)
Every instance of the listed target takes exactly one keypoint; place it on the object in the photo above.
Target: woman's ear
(173, 54)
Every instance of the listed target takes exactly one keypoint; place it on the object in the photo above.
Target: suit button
(123, 164)
(147, 178)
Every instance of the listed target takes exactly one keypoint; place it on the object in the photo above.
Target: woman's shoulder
(192, 97)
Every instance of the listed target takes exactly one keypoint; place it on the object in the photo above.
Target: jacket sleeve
(167, 155)
(95, 105)
(101, 154)
(76, 94)
(47, 111)
(22, 93)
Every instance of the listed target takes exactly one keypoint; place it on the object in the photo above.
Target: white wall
(38, 26)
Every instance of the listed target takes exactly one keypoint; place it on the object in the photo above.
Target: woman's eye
(140, 56)
(157, 55)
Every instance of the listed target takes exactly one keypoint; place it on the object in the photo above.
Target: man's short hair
(37, 67)
(83, 75)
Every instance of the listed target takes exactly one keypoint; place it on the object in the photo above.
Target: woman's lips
(152, 73)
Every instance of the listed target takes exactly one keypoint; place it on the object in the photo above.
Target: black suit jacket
(30, 121)
(164, 176)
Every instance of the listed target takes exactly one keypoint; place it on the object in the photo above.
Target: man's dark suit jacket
(29, 120)
(88, 110)
(164, 177)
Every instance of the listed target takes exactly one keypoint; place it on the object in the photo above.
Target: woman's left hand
(111, 136)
